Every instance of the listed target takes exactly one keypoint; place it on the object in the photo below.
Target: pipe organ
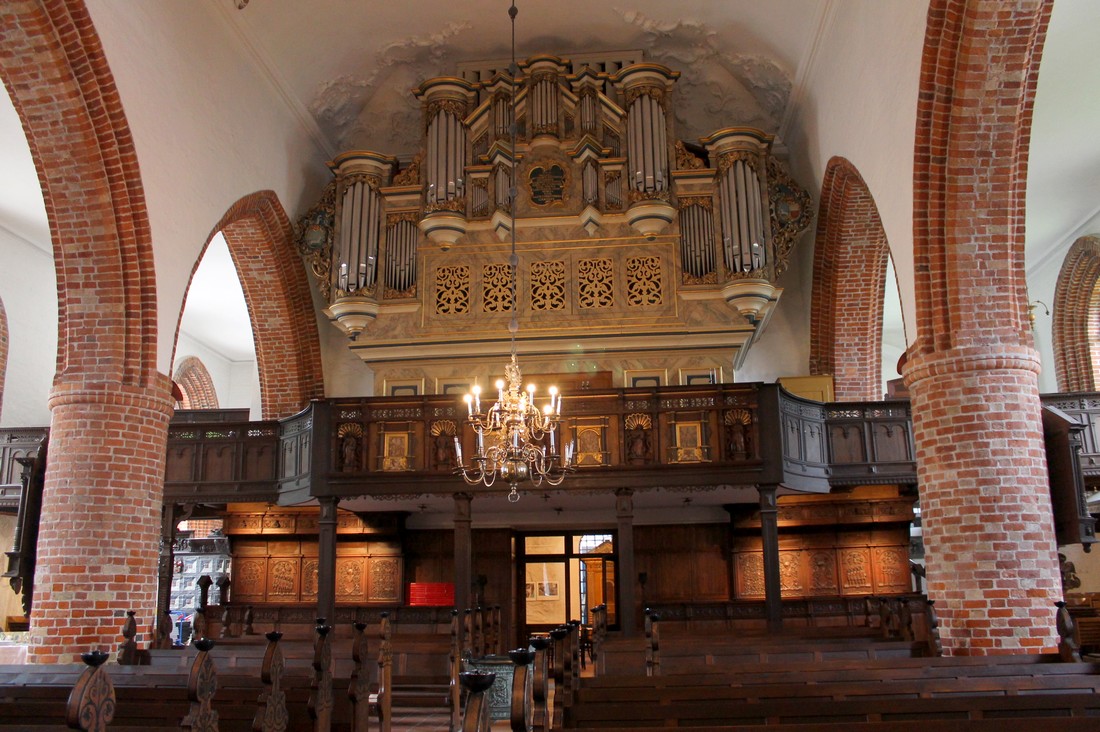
(602, 184)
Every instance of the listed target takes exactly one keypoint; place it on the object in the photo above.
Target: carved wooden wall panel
(286, 571)
(822, 572)
(750, 575)
(291, 521)
(891, 442)
(249, 579)
(819, 564)
(856, 574)
(283, 579)
(384, 581)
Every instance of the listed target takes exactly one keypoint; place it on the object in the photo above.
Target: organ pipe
(357, 236)
(446, 158)
(401, 240)
(743, 207)
(646, 88)
(357, 242)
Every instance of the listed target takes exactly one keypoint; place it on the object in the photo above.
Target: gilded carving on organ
(452, 290)
(548, 184)
(496, 288)
(643, 281)
(548, 285)
(596, 283)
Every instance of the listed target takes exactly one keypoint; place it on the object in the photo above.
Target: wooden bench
(637, 714)
(847, 691)
(147, 697)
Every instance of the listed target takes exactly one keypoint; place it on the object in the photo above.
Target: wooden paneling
(827, 563)
(683, 563)
(285, 571)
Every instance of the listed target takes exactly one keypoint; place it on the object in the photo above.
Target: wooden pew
(843, 691)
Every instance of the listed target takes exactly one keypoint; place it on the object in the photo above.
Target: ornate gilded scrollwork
(313, 236)
(643, 281)
(791, 211)
(654, 92)
(548, 285)
(596, 283)
(452, 290)
(687, 160)
(496, 288)
(410, 174)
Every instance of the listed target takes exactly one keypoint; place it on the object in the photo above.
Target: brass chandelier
(515, 440)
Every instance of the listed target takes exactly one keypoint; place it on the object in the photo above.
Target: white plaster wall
(237, 383)
(783, 349)
(209, 128)
(859, 101)
(28, 288)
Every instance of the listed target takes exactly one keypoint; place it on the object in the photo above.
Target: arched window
(195, 383)
(1076, 317)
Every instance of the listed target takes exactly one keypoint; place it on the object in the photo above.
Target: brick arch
(850, 262)
(973, 369)
(54, 68)
(3, 351)
(1076, 317)
(970, 171)
(280, 307)
(196, 385)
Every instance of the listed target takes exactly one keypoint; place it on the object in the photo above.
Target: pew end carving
(91, 705)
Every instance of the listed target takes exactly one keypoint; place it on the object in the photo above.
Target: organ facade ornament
(635, 247)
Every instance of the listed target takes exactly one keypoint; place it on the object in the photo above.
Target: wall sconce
(1031, 311)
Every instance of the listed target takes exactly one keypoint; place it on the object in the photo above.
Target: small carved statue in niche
(738, 441)
(349, 453)
(638, 446)
(444, 452)
(1070, 580)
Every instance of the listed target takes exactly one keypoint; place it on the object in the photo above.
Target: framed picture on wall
(404, 387)
(454, 385)
(689, 442)
(395, 447)
(646, 379)
(696, 377)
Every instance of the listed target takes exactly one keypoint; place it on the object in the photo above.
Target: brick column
(981, 467)
(101, 516)
(985, 500)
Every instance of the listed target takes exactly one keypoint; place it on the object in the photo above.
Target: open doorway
(562, 576)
